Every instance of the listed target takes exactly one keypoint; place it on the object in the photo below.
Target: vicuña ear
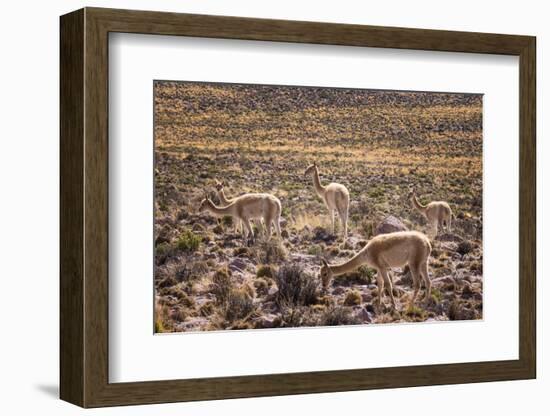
(325, 263)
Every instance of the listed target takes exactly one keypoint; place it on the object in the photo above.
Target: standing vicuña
(397, 249)
(247, 207)
(335, 196)
(438, 213)
(238, 225)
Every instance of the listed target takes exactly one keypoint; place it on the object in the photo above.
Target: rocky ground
(379, 144)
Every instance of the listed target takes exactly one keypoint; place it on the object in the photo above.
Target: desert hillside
(379, 144)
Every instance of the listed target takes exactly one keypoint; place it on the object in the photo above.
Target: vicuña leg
(380, 283)
(434, 228)
(250, 233)
(332, 214)
(424, 272)
(268, 221)
(278, 227)
(344, 218)
(389, 286)
(416, 281)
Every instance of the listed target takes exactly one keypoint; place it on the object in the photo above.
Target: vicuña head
(325, 274)
(218, 185)
(310, 169)
(205, 204)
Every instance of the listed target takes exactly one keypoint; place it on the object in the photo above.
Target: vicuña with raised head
(334, 195)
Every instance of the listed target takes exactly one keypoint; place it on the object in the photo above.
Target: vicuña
(384, 251)
(335, 196)
(225, 201)
(438, 213)
(248, 207)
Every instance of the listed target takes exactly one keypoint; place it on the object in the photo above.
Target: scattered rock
(390, 224)
(237, 265)
(321, 234)
(366, 297)
(364, 315)
(267, 321)
(448, 246)
(338, 291)
(449, 237)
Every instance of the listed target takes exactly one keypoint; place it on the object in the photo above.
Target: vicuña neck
(417, 204)
(320, 189)
(228, 210)
(348, 266)
(223, 198)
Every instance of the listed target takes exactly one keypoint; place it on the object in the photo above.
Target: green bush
(361, 276)
(315, 250)
(188, 241)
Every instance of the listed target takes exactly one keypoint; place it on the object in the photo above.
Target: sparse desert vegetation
(381, 145)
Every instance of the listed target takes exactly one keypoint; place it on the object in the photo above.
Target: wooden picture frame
(84, 207)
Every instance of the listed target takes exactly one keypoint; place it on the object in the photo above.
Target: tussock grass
(296, 287)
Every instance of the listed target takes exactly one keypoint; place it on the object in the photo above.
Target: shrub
(270, 252)
(192, 270)
(361, 276)
(296, 287)
(338, 315)
(315, 250)
(367, 228)
(168, 281)
(415, 314)
(162, 319)
(299, 316)
(182, 297)
(188, 241)
(221, 286)
(179, 314)
(353, 297)
(464, 247)
(437, 296)
(265, 271)
(261, 286)
(239, 305)
(241, 251)
(206, 309)
(162, 249)
(461, 311)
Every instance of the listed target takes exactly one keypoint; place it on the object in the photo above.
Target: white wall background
(29, 80)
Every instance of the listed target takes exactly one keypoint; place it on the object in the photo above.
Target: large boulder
(390, 224)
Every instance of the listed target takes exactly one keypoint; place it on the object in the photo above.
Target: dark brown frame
(84, 208)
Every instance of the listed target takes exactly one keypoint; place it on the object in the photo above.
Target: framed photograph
(255, 207)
